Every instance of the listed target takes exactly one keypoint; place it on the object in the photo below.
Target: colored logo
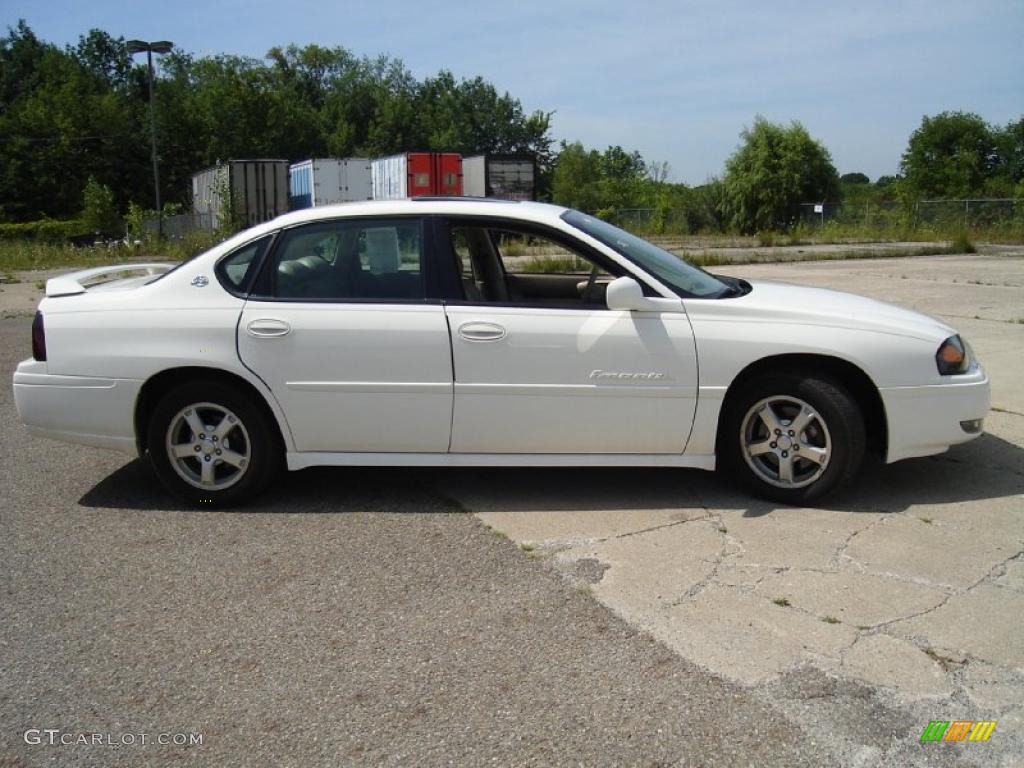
(958, 730)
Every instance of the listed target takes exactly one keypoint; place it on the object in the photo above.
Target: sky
(677, 81)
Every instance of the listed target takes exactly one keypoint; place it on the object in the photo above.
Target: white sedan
(435, 332)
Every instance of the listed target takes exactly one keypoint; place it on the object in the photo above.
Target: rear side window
(238, 269)
(359, 259)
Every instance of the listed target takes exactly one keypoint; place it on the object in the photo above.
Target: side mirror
(625, 293)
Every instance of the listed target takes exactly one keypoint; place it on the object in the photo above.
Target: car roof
(539, 213)
(465, 206)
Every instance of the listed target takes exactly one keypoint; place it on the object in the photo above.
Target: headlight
(954, 356)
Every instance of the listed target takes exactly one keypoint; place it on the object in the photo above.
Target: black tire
(833, 441)
(256, 444)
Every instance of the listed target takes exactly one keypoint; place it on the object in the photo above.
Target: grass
(711, 259)
(554, 264)
(26, 255)
(831, 620)
(782, 602)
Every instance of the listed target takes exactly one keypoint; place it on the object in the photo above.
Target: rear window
(238, 269)
(360, 259)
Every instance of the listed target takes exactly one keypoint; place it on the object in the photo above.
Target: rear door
(343, 333)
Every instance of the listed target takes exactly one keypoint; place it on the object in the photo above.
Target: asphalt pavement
(354, 617)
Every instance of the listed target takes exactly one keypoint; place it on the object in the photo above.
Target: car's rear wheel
(212, 445)
(792, 437)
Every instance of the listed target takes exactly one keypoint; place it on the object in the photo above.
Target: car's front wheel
(792, 437)
(211, 445)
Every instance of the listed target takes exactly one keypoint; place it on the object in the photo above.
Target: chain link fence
(990, 214)
(177, 226)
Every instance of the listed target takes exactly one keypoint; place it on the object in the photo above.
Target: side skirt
(301, 460)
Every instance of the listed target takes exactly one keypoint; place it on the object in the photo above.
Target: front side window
(508, 265)
(359, 259)
(684, 279)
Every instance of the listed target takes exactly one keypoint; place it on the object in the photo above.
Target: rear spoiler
(68, 285)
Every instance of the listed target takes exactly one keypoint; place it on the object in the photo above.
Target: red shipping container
(421, 174)
(417, 174)
(449, 174)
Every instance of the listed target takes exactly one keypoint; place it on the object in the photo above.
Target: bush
(99, 212)
(44, 231)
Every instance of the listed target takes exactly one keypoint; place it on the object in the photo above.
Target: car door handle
(268, 327)
(477, 331)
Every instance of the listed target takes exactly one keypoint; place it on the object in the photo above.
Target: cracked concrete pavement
(908, 590)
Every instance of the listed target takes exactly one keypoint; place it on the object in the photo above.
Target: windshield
(671, 270)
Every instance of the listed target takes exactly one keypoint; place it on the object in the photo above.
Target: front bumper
(926, 420)
(77, 409)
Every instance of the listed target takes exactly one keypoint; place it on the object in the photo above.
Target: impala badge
(200, 281)
(627, 375)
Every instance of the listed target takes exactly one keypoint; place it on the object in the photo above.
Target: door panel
(357, 358)
(354, 377)
(572, 381)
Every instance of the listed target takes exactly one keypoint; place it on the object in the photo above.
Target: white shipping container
(506, 177)
(390, 177)
(474, 176)
(258, 190)
(330, 180)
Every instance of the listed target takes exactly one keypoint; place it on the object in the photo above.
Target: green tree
(576, 178)
(854, 178)
(623, 180)
(1008, 172)
(99, 211)
(951, 155)
(83, 111)
(775, 170)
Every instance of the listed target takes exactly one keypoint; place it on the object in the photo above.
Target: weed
(962, 244)
(926, 520)
(831, 620)
(527, 547)
(945, 662)
(782, 602)
(40, 285)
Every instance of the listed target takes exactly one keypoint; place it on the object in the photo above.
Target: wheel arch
(851, 376)
(163, 382)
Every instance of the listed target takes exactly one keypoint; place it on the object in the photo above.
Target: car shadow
(987, 468)
(317, 490)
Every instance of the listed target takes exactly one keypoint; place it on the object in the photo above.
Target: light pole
(158, 46)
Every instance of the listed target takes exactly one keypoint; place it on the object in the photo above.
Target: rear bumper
(927, 420)
(77, 409)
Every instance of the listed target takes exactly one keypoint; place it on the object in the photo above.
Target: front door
(542, 366)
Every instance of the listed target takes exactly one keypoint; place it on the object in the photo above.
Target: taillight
(38, 337)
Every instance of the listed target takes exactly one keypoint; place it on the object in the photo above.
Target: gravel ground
(356, 617)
